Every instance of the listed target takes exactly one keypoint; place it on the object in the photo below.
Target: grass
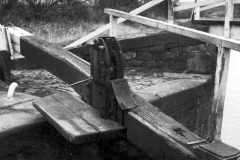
(62, 29)
(63, 34)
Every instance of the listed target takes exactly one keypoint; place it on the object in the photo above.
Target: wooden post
(219, 93)
(221, 75)
(5, 73)
(197, 12)
(170, 12)
(113, 26)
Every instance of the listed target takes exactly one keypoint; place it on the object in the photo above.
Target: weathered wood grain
(87, 113)
(59, 62)
(158, 134)
(70, 125)
(221, 75)
(74, 119)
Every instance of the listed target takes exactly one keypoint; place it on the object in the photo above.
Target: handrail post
(197, 12)
(170, 12)
(5, 72)
(113, 26)
(223, 58)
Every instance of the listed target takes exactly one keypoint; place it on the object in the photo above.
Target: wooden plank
(203, 36)
(170, 12)
(56, 60)
(158, 134)
(193, 5)
(212, 6)
(75, 120)
(87, 113)
(107, 27)
(113, 26)
(70, 125)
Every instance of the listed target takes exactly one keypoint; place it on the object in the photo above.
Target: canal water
(231, 117)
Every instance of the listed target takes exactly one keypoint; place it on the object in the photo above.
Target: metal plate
(123, 94)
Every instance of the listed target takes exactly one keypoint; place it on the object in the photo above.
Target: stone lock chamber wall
(171, 52)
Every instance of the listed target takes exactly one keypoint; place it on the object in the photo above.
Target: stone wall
(164, 50)
(169, 51)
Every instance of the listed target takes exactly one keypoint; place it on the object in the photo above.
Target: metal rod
(73, 84)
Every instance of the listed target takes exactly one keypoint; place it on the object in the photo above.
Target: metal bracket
(123, 94)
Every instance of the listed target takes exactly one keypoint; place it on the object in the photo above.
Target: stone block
(163, 38)
(157, 56)
(144, 56)
(134, 43)
(161, 64)
(186, 41)
(168, 56)
(144, 49)
(211, 48)
(172, 45)
(129, 55)
(200, 48)
(180, 57)
(135, 63)
(177, 66)
(177, 50)
(200, 63)
(159, 48)
(149, 64)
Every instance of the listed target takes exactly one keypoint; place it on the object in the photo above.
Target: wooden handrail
(198, 4)
(200, 35)
(212, 6)
(107, 27)
(236, 1)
